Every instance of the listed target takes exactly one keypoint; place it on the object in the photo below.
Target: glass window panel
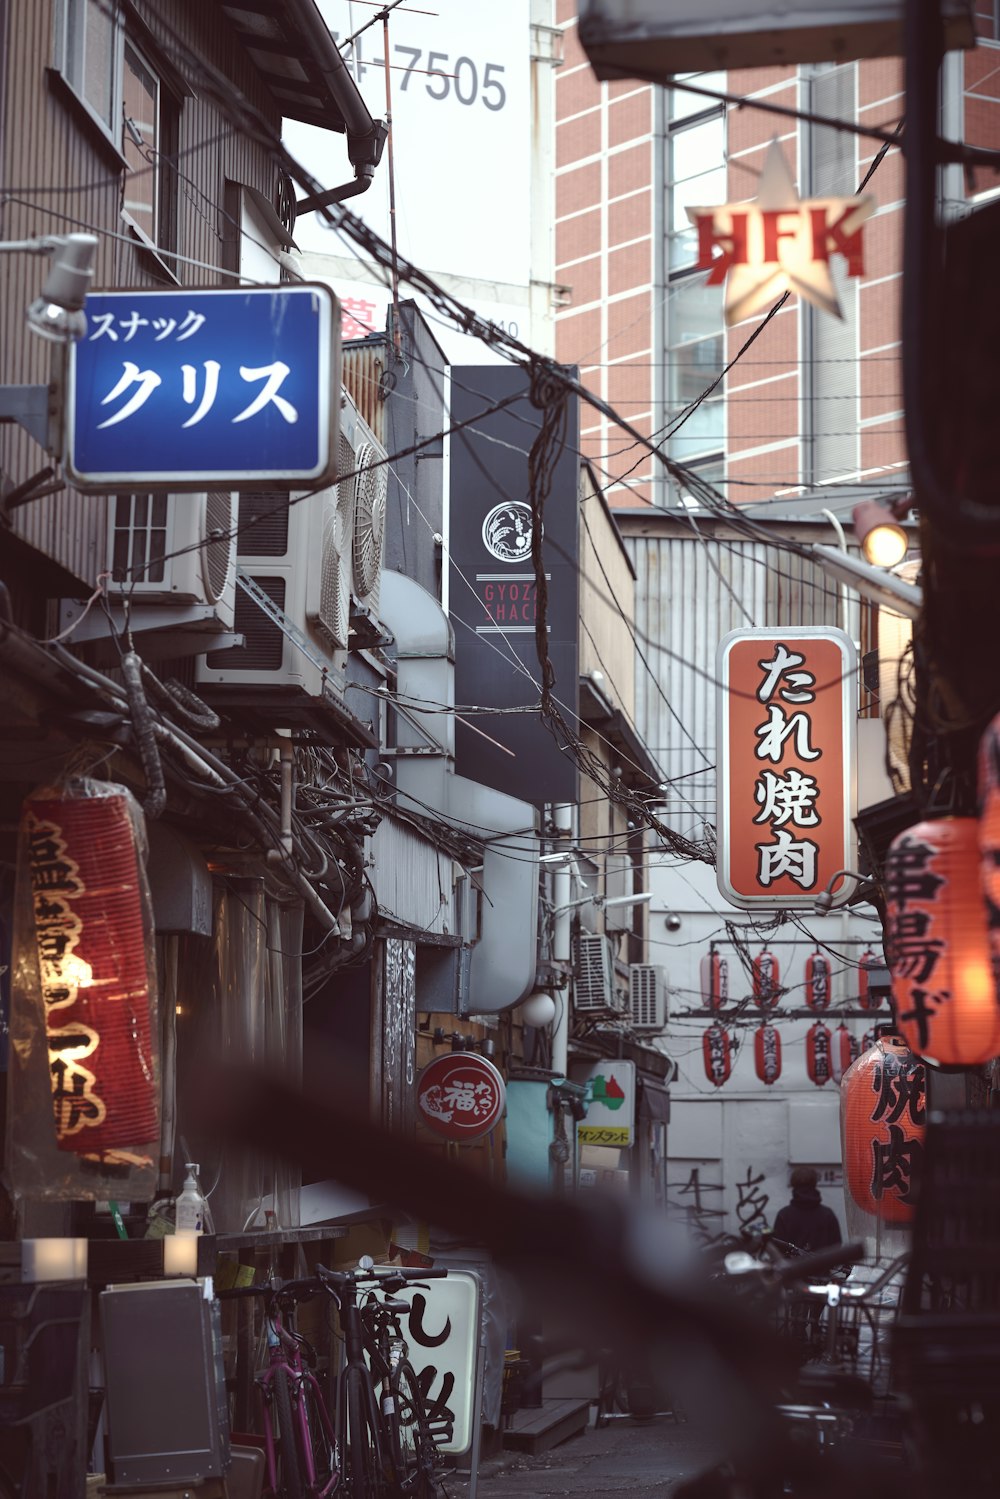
(681, 104)
(703, 432)
(697, 178)
(140, 140)
(98, 81)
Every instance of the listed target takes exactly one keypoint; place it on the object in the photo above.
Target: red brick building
(813, 401)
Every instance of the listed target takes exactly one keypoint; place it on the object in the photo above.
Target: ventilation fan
(333, 616)
(369, 524)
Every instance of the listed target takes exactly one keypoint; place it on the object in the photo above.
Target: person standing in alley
(806, 1221)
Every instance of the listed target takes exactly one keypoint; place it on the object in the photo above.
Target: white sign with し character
(610, 1118)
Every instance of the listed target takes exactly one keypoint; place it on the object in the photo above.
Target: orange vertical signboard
(786, 771)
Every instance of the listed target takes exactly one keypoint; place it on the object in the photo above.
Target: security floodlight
(57, 313)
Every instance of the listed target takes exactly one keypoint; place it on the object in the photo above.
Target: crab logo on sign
(460, 1096)
(507, 531)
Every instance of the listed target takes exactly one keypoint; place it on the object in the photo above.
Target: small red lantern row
(767, 1053)
(819, 977)
(766, 980)
(884, 1113)
(717, 1052)
(866, 963)
(714, 981)
(819, 1063)
(844, 1051)
(938, 944)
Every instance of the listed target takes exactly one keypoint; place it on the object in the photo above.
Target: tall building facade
(792, 422)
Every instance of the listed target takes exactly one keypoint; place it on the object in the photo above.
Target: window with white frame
(89, 55)
(695, 344)
(115, 75)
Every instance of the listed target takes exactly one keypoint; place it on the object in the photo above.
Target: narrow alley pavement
(647, 1459)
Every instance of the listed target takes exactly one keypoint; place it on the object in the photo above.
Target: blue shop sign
(189, 389)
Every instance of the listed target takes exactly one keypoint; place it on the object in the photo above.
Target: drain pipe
(562, 817)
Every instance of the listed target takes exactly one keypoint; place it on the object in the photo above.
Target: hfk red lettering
(773, 232)
(828, 238)
(732, 245)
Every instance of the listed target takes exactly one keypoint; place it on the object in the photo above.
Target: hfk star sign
(779, 242)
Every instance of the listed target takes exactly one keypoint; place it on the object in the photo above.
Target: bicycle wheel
(364, 1467)
(414, 1449)
(289, 1477)
(321, 1443)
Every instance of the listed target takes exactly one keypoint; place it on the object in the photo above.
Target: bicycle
(389, 1443)
(300, 1442)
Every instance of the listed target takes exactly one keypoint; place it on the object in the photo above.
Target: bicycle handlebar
(390, 1276)
(807, 1266)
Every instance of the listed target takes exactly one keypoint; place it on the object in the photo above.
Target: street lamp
(882, 539)
(57, 312)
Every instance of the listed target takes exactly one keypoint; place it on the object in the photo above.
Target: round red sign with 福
(460, 1096)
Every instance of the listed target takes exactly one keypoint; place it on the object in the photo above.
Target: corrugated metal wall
(364, 366)
(59, 174)
(689, 594)
(413, 879)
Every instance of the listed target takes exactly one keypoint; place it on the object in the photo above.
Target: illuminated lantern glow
(819, 1063)
(844, 1050)
(937, 944)
(866, 963)
(714, 981)
(766, 980)
(883, 1119)
(717, 1051)
(87, 897)
(767, 1053)
(819, 977)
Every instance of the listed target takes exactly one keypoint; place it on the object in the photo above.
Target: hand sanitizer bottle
(190, 1212)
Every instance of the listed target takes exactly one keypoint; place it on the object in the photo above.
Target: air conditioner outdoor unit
(594, 975)
(647, 997)
(318, 558)
(169, 566)
(177, 549)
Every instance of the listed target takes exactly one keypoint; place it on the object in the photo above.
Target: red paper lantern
(90, 933)
(716, 1048)
(767, 1053)
(866, 963)
(844, 1050)
(989, 837)
(938, 944)
(883, 1111)
(819, 978)
(714, 981)
(766, 980)
(819, 1063)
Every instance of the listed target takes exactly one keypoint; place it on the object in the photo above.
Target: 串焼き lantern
(716, 1049)
(87, 897)
(938, 944)
(767, 1053)
(818, 1060)
(844, 1050)
(714, 981)
(819, 973)
(766, 980)
(989, 838)
(883, 1121)
(866, 999)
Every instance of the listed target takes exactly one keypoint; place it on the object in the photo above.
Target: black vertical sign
(493, 594)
